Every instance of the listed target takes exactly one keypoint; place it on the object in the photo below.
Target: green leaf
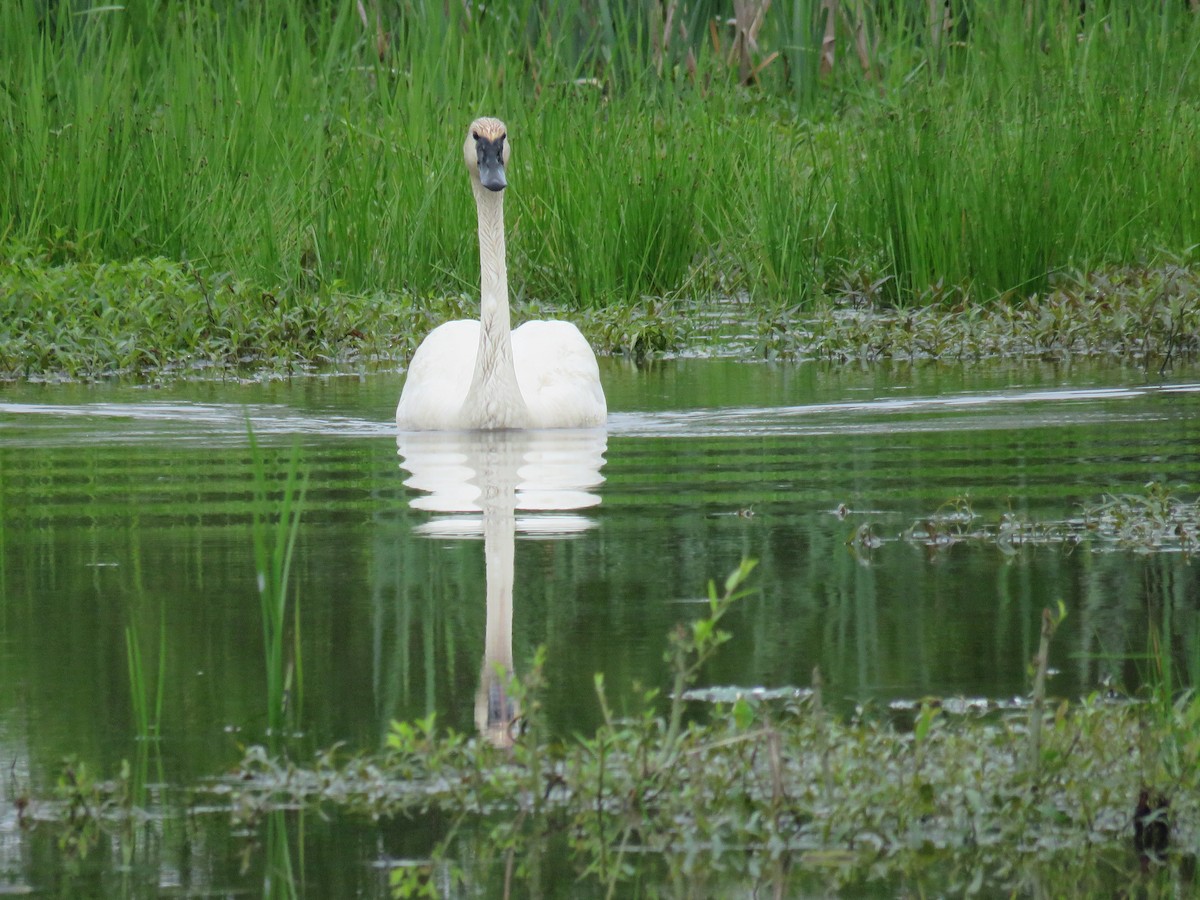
(743, 714)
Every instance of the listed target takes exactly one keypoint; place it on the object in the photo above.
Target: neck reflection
(499, 484)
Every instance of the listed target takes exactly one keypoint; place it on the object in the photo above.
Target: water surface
(129, 507)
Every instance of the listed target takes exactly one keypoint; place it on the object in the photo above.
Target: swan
(469, 375)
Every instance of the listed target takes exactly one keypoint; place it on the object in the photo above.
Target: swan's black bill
(491, 163)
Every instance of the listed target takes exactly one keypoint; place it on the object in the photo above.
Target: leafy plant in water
(691, 647)
(1149, 315)
(1149, 521)
(751, 785)
(1154, 521)
(83, 801)
(1040, 666)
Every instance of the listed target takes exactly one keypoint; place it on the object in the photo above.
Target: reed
(147, 713)
(607, 209)
(313, 150)
(275, 527)
(147, 707)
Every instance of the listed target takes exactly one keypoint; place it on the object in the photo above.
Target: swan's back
(558, 376)
(439, 376)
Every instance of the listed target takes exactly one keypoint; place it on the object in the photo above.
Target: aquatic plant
(280, 881)
(164, 320)
(978, 795)
(753, 788)
(81, 801)
(1148, 315)
(275, 527)
(692, 647)
(147, 712)
(1154, 521)
(88, 319)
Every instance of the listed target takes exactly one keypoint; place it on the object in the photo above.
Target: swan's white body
(470, 375)
(555, 372)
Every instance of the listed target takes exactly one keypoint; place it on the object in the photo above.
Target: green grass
(147, 714)
(274, 534)
(275, 146)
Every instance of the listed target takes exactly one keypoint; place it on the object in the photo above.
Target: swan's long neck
(494, 400)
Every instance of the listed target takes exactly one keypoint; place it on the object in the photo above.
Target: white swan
(482, 375)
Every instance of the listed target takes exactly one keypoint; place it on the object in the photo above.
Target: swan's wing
(558, 376)
(439, 377)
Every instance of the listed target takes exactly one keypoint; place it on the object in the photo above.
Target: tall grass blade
(147, 710)
(275, 527)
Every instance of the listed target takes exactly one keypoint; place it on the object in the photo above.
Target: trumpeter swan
(483, 375)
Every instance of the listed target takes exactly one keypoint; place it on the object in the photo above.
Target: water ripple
(28, 424)
(955, 412)
(210, 423)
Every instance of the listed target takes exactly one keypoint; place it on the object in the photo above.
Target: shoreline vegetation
(234, 187)
(157, 319)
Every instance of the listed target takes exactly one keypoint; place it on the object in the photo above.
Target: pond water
(126, 510)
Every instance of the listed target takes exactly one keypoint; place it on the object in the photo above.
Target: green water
(130, 506)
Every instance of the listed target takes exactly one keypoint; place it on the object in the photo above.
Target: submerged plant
(1154, 521)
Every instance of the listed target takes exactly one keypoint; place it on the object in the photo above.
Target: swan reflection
(497, 484)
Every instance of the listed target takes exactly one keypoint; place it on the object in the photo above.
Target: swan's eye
(475, 134)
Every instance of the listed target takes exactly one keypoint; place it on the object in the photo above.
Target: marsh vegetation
(279, 183)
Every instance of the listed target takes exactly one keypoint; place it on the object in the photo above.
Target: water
(422, 567)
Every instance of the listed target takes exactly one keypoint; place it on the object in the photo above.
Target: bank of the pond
(316, 156)
(155, 318)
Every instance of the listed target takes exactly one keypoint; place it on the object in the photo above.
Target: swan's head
(486, 152)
